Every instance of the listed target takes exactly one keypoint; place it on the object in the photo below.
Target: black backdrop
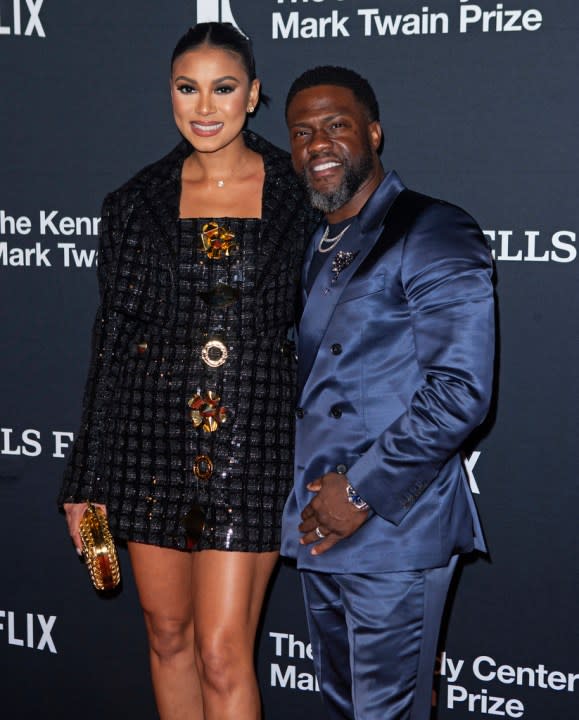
(479, 106)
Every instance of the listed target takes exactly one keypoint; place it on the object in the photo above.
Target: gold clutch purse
(100, 553)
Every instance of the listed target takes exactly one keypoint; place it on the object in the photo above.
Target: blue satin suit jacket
(395, 364)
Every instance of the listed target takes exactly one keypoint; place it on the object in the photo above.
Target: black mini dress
(203, 412)
(188, 407)
(236, 455)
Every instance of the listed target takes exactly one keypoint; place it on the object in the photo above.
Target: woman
(186, 436)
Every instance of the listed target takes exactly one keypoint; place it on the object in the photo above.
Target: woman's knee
(169, 636)
(223, 661)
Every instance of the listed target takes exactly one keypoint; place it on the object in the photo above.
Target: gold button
(214, 353)
(202, 467)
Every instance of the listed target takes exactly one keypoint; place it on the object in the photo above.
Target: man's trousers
(374, 639)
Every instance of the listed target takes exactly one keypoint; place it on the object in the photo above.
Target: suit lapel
(308, 257)
(329, 286)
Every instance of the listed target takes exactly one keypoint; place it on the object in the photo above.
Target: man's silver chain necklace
(323, 245)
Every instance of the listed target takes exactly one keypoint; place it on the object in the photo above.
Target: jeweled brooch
(206, 411)
(341, 260)
(218, 241)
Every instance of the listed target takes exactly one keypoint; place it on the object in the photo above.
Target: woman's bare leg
(164, 582)
(228, 592)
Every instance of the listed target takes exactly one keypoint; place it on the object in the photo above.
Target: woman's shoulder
(276, 160)
(165, 171)
(285, 193)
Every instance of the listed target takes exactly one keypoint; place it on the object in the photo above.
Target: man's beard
(352, 179)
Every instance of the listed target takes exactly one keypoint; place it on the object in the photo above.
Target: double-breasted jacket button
(336, 411)
(341, 469)
(300, 412)
(336, 349)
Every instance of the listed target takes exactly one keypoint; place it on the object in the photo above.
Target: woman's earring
(250, 108)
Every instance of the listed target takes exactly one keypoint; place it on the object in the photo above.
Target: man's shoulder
(411, 203)
(433, 214)
(441, 232)
(425, 207)
(424, 228)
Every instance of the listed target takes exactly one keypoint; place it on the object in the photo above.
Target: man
(395, 371)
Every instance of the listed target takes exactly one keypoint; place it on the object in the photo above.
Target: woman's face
(211, 93)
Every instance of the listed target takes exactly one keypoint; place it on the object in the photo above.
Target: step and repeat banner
(479, 107)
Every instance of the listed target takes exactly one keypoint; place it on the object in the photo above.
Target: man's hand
(329, 514)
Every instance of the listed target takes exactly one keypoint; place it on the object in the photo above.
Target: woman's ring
(319, 533)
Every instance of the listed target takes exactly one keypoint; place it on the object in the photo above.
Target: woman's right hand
(74, 513)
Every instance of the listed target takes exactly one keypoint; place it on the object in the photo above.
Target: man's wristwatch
(355, 499)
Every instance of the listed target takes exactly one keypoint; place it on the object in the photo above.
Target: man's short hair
(342, 77)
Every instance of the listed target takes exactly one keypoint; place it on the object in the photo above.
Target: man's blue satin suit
(395, 366)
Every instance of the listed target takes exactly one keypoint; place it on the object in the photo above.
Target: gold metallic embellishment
(214, 353)
(206, 411)
(98, 547)
(203, 467)
(218, 241)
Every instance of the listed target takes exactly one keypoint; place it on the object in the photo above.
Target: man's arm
(447, 277)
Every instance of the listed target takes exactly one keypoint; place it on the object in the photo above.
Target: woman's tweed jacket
(136, 446)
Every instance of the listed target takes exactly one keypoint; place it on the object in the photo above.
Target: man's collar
(372, 215)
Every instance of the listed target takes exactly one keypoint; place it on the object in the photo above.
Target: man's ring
(319, 533)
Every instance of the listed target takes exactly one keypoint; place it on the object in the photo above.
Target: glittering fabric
(163, 300)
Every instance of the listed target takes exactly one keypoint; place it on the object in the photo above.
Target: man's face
(333, 146)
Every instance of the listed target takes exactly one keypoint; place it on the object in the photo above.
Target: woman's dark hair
(219, 35)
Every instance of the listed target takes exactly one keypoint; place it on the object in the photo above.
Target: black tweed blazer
(137, 284)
